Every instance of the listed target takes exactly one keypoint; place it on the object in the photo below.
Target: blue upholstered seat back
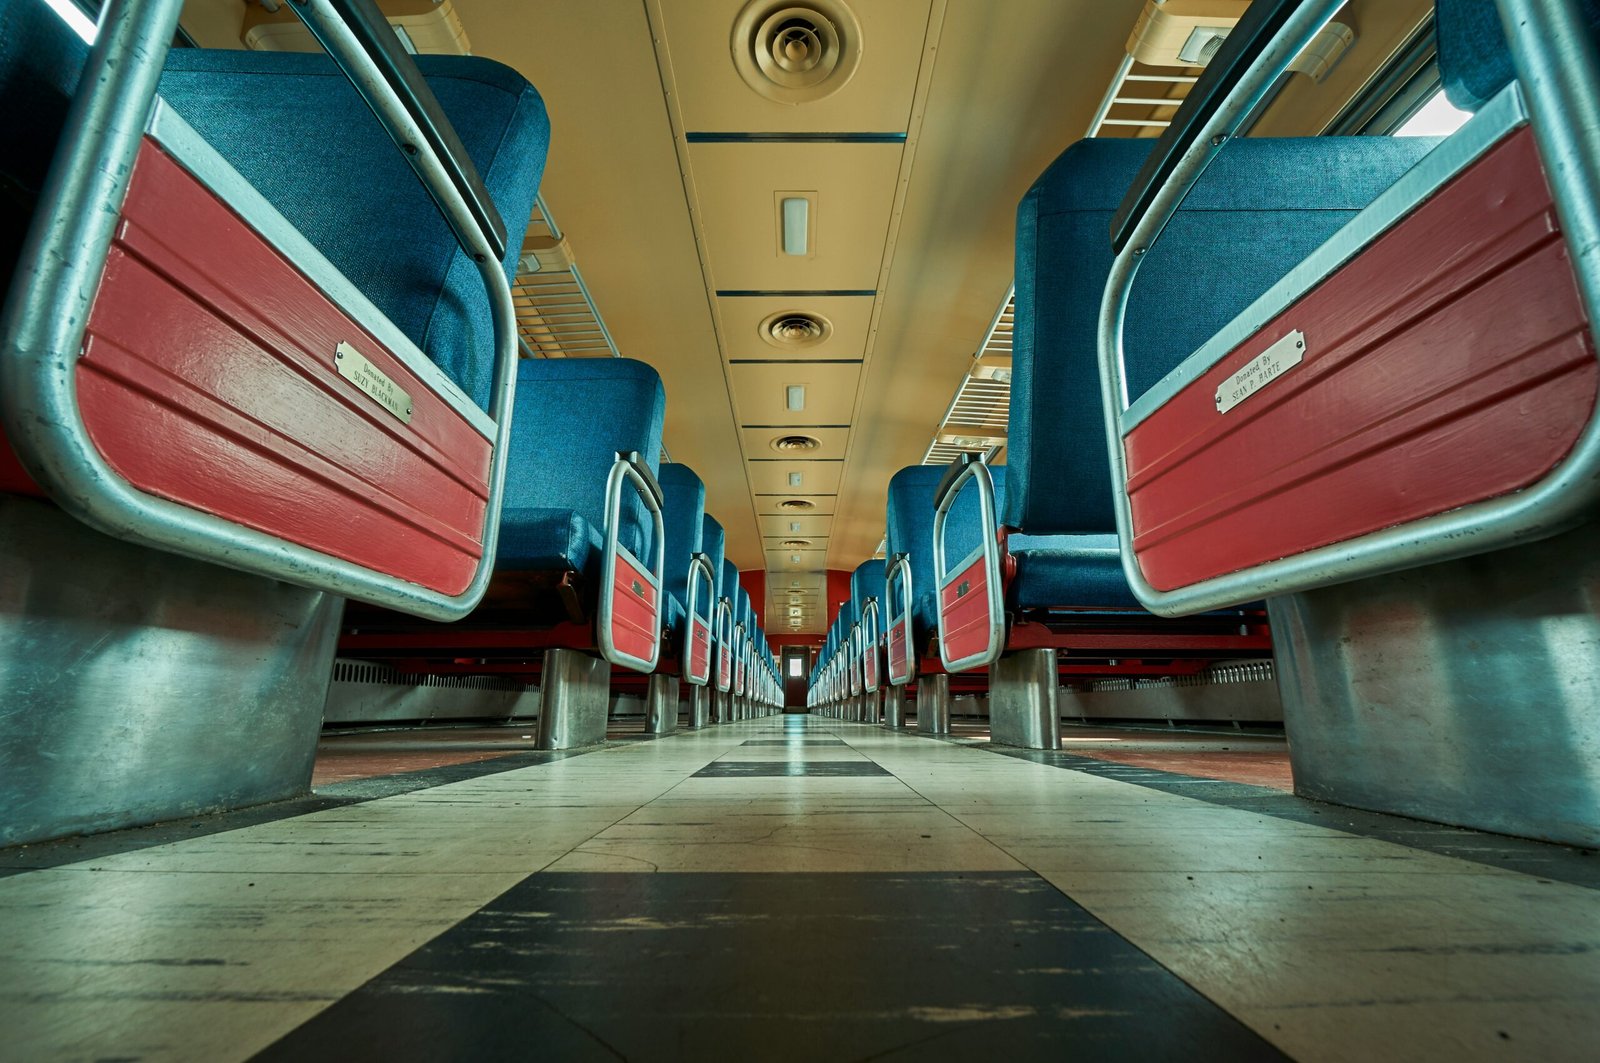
(867, 582)
(728, 584)
(296, 130)
(40, 59)
(1259, 209)
(909, 515)
(1474, 62)
(683, 513)
(572, 416)
(713, 541)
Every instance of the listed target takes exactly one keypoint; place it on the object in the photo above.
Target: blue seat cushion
(1261, 207)
(558, 540)
(572, 416)
(1474, 61)
(1068, 570)
(293, 127)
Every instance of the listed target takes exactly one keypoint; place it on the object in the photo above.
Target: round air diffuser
(796, 53)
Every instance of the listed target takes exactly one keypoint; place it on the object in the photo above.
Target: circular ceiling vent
(795, 330)
(796, 52)
(796, 503)
(797, 544)
(795, 444)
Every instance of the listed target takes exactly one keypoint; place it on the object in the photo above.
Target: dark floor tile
(789, 966)
(756, 769)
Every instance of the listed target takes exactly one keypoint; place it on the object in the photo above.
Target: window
(794, 667)
(1436, 118)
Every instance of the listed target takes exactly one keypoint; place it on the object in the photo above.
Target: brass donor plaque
(354, 367)
(1261, 370)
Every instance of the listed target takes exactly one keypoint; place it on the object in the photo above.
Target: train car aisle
(799, 888)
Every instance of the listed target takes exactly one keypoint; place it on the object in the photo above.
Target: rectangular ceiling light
(794, 525)
(795, 217)
(794, 397)
(794, 479)
(795, 558)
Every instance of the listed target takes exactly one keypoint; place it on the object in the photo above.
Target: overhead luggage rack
(556, 315)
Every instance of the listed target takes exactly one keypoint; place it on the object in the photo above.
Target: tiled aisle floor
(879, 896)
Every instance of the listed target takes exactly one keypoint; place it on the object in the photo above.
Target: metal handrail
(871, 638)
(59, 271)
(699, 563)
(969, 468)
(901, 563)
(629, 469)
(1559, 73)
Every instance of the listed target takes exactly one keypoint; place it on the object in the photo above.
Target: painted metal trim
(794, 138)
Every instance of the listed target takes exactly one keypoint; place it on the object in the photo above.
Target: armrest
(952, 475)
(346, 28)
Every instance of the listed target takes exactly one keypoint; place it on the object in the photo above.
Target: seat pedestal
(574, 700)
(140, 686)
(661, 705)
(1466, 692)
(869, 707)
(697, 703)
(894, 708)
(933, 704)
(1024, 700)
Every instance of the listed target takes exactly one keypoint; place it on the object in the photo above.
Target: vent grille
(792, 330)
(795, 444)
(796, 53)
(797, 544)
(796, 503)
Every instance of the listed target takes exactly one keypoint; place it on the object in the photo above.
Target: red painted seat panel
(208, 378)
(1449, 363)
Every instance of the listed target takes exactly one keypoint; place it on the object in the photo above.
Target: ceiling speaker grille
(796, 52)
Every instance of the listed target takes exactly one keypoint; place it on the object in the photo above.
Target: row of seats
(601, 550)
(1051, 567)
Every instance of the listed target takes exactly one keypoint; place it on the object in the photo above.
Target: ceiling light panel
(853, 185)
(761, 390)
(816, 477)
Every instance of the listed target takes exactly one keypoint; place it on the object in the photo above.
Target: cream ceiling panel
(758, 442)
(761, 390)
(747, 321)
(737, 186)
(780, 560)
(770, 505)
(876, 98)
(614, 184)
(816, 477)
(804, 527)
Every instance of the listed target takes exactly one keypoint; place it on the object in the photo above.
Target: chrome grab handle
(1559, 73)
(724, 637)
(901, 563)
(964, 469)
(871, 639)
(699, 564)
(59, 271)
(630, 470)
